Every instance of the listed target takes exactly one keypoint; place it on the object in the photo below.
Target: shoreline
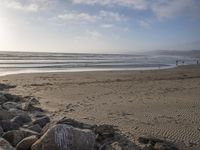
(88, 70)
(162, 103)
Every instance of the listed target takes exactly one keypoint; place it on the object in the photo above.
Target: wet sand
(159, 103)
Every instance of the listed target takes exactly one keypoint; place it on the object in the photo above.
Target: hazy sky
(103, 26)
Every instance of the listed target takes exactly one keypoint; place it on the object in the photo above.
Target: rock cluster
(25, 126)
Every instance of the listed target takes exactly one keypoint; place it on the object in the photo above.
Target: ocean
(24, 62)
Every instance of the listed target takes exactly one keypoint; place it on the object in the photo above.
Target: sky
(99, 26)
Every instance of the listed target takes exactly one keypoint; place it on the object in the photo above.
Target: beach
(159, 103)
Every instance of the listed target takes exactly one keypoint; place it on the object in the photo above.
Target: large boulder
(5, 145)
(26, 143)
(75, 123)
(15, 136)
(104, 132)
(3, 99)
(30, 104)
(42, 121)
(17, 112)
(7, 125)
(21, 120)
(35, 128)
(1, 131)
(12, 98)
(10, 105)
(6, 115)
(64, 137)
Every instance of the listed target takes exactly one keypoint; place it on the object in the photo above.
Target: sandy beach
(159, 103)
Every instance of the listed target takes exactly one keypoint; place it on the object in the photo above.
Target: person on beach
(197, 62)
(183, 62)
(176, 62)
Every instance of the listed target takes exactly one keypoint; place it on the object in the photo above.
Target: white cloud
(94, 34)
(172, 8)
(107, 25)
(104, 16)
(162, 9)
(145, 24)
(27, 6)
(137, 4)
(81, 17)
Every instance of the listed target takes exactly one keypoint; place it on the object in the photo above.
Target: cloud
(173, 8)
(137, 4)
(94, 34)
(104, 16)
(28, 5)
(145, 24)
(162, 9)
(81, 17)
(107, 25)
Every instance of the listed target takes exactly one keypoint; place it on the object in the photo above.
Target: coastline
(162, 103)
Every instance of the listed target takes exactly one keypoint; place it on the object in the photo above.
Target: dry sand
(160, 103)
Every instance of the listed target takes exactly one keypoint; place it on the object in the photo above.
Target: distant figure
(183, 62)
(176, 62)
(197, 62)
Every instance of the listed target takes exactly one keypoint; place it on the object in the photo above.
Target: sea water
(24, 62)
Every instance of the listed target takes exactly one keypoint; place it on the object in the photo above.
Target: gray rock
(35, 128)
(113, 146)
(13, 98)
(42, 121)
(1, 131)
(64, 137)
(3, 99)
(6, 86)
(34, 101)
(15, 136)
(10, 105)
(7, 125)
(17, 112)
(5, 145)
(26, 143)
(6, 115)
(75, 123)
(104, 131)
(165, 146)
(30, 105)
(21, 120)
(149, 140)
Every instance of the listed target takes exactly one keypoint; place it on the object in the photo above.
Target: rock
(6, 86)
(104, 132)
(165, 146)
(147, 147)
(34, 101)
(21, 120)
(6, 115)
(149, 140)
(12, 98)
(3, 99)
(42, 121)
(5, 145)
(15, 136)
(75, 123)
(17, 112)
(30, 105)
(1, 131)
(10, 105)
(35, 128)
(64, 137)
(113, 146)
(26, 143)
(7, 125)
